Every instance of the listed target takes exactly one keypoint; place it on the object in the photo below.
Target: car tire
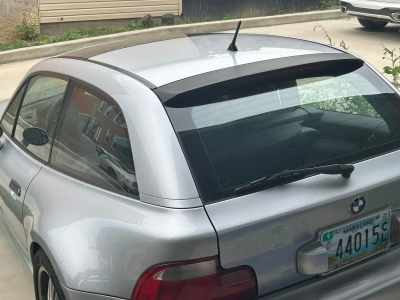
(45, 279)
(372, 25)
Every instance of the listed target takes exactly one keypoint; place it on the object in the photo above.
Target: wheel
(47, 285)
(372, 25)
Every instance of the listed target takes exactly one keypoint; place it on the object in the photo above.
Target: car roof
(166, 59)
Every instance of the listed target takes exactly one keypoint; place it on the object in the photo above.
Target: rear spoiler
(173, 93)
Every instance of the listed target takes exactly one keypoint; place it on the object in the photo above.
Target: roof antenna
(232, 46)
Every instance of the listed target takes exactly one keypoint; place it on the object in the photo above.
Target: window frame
(101, 106)
(26, 82)
(107, 136)
(73, 81)
(118, 116)
(109, 110)
(112, 144)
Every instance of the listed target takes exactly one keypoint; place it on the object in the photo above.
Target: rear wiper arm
(344, 170)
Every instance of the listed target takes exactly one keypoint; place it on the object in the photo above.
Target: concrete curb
(62, 47)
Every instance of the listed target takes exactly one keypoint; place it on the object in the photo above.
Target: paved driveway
(362, 42)
(16, 281)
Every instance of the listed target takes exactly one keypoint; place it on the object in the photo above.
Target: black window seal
(66, 102)
(27, 81)
(24, 84)
(130, 74)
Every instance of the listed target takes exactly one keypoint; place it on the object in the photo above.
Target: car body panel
(106, 241)
(377, 278)
(22, 168)
(266, 229)
(100, 242)
(160, 165)
(78, 295)
(168, 61)
(372, 9)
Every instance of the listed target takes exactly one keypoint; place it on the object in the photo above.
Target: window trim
(109, 110)
(22, 85)
(108, 136)
(73, 81)
(112, 144)
(101, 106)
(119, 116)
(27, 81)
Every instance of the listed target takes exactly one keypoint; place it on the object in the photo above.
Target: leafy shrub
(229, 18)
(26, 31)
(208, 19)
(135, 26)
(106, 30)
(73, 35)
(394, 69)
(325, 4)
(19, 44)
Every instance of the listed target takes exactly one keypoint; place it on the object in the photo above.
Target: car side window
(9, 117)
(40, 108)
(90, 145)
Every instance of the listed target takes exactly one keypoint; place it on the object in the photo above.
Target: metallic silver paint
(17, 165)
(172, 60)
(160, 164)
(22, 253)
(77, 295)
(102, 242)
(374, 279)
(373, 5)
(187, 203)
(312, 258)
(264, 230)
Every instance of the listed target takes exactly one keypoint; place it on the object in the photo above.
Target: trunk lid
(265, 230)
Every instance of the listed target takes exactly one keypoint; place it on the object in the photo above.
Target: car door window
(40, 109)
(9, 117)
(82, 148)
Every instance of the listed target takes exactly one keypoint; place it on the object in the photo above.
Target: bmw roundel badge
(357, 205)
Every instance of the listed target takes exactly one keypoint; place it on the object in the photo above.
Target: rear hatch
(248, 128)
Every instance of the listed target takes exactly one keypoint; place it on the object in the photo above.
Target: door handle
(15, 187)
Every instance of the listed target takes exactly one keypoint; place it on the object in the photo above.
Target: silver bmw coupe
(171, 168)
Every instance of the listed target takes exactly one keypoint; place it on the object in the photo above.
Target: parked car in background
(373, 14)
(266, 172)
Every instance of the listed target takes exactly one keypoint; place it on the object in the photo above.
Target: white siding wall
(52, 11)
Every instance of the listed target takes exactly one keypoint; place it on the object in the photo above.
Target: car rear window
(305, 117)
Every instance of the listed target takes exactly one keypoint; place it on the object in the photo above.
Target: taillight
(196, 280)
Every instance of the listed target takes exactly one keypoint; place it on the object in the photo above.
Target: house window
(124, 125)
(117, 117)
(102, 105)
(114, 144)
(108, 135)
(96, 137)
(109, 110)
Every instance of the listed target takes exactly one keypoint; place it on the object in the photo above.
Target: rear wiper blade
(344, 170)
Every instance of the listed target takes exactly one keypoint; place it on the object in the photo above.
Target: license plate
(352, 242)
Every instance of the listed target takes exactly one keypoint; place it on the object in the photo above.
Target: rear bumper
(373, 279)
(76, 295)
(374, 10)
